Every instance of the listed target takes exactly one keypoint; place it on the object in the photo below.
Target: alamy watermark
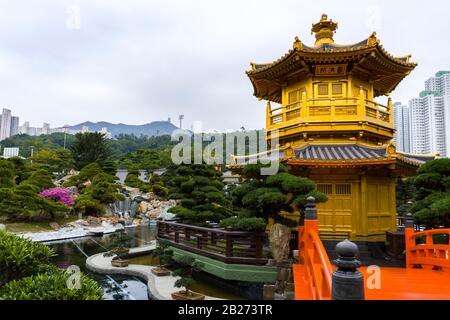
(230, 148)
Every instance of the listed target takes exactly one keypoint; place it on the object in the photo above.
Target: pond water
(118, 287)
(202, 283)
(115, 287)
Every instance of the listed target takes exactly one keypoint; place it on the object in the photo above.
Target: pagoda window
(326, 188)
(294, 97)
(322, 89)
(336, 89)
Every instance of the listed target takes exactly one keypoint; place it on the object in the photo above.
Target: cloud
(139, 61)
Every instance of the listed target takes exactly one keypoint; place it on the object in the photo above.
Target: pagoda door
(335, 215)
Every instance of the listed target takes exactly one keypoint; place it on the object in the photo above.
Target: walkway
(159, 288)
(395, 284)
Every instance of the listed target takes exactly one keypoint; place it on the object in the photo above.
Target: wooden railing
(313, 256)
(428, 253)
(226, 246)
(330, 109)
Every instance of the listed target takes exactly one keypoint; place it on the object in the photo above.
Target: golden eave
(386, 70)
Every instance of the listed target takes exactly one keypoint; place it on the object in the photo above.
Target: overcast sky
(139, 61)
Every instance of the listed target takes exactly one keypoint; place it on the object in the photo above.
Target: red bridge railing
(427, 254)
(313, 257)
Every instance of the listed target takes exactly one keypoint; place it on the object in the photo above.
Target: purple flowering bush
(61, 195)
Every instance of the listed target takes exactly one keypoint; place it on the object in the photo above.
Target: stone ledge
(159, 288)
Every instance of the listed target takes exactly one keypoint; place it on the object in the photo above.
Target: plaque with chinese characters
(331, 69)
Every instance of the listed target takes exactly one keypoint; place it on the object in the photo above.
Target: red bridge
(426, 276)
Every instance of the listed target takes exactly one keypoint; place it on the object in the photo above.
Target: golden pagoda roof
(337, 155)
(366, 59)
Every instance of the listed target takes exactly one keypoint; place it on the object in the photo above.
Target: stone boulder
(54, 225)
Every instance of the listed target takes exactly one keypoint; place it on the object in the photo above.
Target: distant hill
(155, 128)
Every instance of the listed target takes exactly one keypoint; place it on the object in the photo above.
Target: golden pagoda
(331, 130)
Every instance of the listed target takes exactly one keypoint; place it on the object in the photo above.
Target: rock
(93, 221)
(268, 292)
(87, 183)
(137, 222)
(153, 214)
(134, 192)
(106, 224)
(54, 225)
(166, 216)
(279, 241)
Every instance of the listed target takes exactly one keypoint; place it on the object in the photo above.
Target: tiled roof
(339, 152)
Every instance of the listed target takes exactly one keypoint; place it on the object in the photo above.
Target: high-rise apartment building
(429, 116)
(14, 126)
(5, 124)
(402, 127)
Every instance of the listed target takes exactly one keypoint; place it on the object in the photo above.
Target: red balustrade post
(410, 241)
(311, 222)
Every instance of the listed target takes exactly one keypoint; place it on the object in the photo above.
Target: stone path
(69, 233)
(159, 288)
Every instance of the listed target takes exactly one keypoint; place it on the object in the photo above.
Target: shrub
(61, 195)
(89, 205)
(51, 286)
(160, 190)
(252, 224)
(20, 257)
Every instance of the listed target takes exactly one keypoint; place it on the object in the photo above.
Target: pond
(117, 287)
(202, 282)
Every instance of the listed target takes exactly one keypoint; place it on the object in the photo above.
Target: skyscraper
(25, 128)
(402, 127)
(14, 126)
(5, 124)
(46, 128)
(430, 117)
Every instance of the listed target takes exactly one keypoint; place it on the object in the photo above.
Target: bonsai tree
(185, 267)
(162, 252)
(199, 191)
(267, 196)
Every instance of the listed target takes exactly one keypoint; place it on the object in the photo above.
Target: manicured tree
(40, 178)
(432, 185)
(85, 175)
(185, 267)
(162, 252)
(199, 189)
(6, 174)
(267, 196)
(405, 193)
(90, 147)
(110, 167)
(104, 188)
(56, 159)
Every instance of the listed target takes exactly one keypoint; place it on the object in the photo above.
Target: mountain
(155, 128)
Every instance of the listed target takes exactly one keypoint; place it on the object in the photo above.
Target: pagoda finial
(324, 30)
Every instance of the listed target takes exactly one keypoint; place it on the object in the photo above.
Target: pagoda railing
(330, 110)
(227, 246)
(427, 249)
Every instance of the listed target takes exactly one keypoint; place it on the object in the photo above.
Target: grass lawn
(20, 227)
